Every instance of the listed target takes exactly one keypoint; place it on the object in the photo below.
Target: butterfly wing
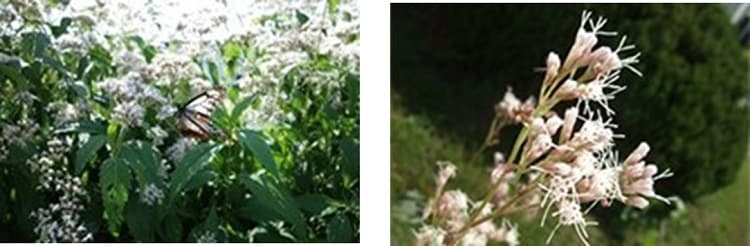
(195, 115)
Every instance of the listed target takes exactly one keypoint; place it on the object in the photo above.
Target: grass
(721, 218)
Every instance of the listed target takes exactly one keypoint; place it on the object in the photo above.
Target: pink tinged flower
(638, 154)
(600, 91)
(553, 65)
(453, 206)
(585, 40)
(447, 171)
(498, 158)
(429, 235)
(537, 127)
(585, 163)
(568, 123)
(553, 124)
(540, 145)
(569, 213)
(594, 135)
(581, 47)
(636, 201)
(501, 175)
(510, 108)
(558, 168)
(637, 179)
(568, 90)
(603, 184)
(506, 233)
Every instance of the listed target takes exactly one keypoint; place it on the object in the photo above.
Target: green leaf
(313, 203)
(301, 17)
(271, 201)
(52, 62)
(339, 229)
(253, 141)
(211, 70)
(332, 5)
(148, 51)
(14, 75)
(141, 220)
(84, 154)
(211, 224)
(62, 28)
(200, 179)
(114, 178)
(350, 150)
(173, 228)
(34, 44)
(232, 50)
(240, 107)
(193, 162)
(80, 89)
(144, 160)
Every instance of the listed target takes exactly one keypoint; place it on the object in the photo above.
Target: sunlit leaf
(114, 179)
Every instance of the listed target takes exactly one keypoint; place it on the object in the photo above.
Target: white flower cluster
(206, 237)
(565, 169)
(152, 194)
(16, 135)
(168, 68)
(157, 134)
(177, 151)
(60, 221)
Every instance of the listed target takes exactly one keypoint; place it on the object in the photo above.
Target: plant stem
(516, 146)
(491, 132)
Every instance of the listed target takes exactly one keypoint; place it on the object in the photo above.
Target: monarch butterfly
(195, 115)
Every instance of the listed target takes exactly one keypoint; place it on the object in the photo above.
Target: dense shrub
(91, 149)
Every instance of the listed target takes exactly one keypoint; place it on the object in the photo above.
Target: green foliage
(115, 178)
(294, 181)
(257, 145)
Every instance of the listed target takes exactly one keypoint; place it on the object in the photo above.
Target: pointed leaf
(141, 220)
(114, 178)
(84, 154)
(339, 229)
(193, 162)
(270, 201)
(254, 142)
(240, 107)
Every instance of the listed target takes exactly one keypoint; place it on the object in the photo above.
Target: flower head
(512, 109)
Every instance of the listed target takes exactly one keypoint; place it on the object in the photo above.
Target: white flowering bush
(92, 150)
(559, 166)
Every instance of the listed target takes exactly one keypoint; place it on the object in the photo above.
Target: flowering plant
(560, 167)
(91, 148)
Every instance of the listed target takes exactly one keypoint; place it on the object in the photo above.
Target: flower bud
(636, 201)
(568, 90)
(553, 124)
(637, 154)
(537, 127)
(568, 123)
(553, 64)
